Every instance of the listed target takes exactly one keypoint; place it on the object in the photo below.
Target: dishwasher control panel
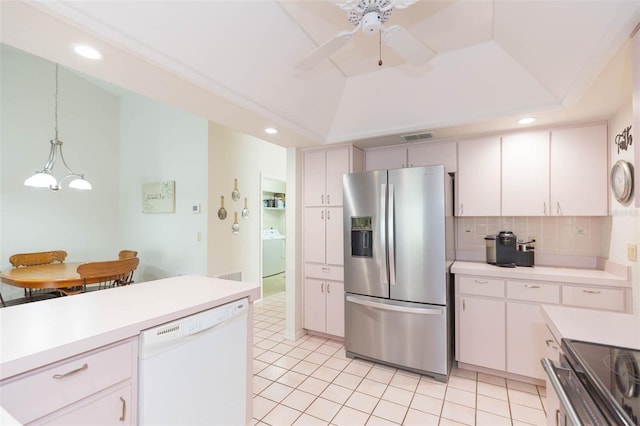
(154, 340)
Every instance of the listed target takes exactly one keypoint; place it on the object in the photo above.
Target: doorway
(273, 235)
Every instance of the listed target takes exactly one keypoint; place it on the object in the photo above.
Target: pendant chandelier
(44, 178)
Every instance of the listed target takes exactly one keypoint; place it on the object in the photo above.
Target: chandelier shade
(45, 178)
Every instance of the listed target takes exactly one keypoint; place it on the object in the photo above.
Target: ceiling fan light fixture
(371, 22)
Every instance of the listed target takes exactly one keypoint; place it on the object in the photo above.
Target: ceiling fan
(369, 15)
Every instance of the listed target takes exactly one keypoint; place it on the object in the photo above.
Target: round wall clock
(622, 181)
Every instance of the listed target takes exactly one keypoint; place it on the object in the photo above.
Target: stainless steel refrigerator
(398, 240)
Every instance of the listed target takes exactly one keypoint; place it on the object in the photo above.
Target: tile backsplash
(554, 235)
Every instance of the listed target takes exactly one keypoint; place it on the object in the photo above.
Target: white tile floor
(311, 382)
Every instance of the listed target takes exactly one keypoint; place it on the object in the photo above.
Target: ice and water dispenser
(361, 236)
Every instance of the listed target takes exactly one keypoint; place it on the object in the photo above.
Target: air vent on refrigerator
(417, 137)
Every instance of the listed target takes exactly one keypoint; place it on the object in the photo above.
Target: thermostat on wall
(195, 208)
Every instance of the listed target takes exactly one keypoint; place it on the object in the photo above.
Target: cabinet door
(337, 166)
(314, 234)
(112, 408)
(432, 154)
(482, 332)
(314, 305)
(525, 174)
(335, 308)
(334, 236)
(388, 158)
(314, 178)
(478, 178)
(579, 171)
(526, 335)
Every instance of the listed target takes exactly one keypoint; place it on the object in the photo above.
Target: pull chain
(380, 48)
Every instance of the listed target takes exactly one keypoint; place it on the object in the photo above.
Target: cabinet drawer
(33, 395)
(481, 286)
(324, 272)
(590, 297)
(533, 291)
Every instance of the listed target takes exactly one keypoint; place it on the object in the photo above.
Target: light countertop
(607, 328)
(542, 273)
(36, 334)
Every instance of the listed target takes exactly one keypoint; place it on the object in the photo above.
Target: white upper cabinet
(433, 153)
(385, 158)
(314, 178)
(579, 174)
(478, 178)
(323, 171)
(337, 166)
(525, 174)
(416, 155)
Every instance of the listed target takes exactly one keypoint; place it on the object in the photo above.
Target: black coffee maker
(506, 249)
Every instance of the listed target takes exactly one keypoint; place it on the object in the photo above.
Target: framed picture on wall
(159, 197)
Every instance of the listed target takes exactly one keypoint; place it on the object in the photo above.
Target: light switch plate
(632, 252)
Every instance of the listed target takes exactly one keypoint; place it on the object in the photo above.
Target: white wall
(233, 155)
(84, 223)
(161, 143)
(623, 226)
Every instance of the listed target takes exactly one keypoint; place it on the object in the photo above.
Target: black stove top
(611, 375)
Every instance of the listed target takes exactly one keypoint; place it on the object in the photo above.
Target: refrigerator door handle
(383, 227)
(395, 308)
(392, 238)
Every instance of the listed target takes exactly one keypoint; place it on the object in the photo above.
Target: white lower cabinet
(481, 331)
(499, 323)
(92, 388)
(526, 333)
(324, 306)
(110, 408)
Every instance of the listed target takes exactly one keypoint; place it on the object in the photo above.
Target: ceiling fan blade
(325, 50)
(406, 45)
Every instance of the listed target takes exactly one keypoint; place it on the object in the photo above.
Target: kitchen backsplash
(555, 236)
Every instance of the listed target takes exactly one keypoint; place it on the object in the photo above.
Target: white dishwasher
(192, 371)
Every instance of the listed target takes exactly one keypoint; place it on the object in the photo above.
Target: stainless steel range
(596, 384)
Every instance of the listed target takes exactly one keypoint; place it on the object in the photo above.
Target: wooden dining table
(51, 275)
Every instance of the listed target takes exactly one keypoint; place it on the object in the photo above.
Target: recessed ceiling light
(87, 51)
(526, 120)
(271, 130)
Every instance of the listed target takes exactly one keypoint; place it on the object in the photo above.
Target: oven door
(576, 406)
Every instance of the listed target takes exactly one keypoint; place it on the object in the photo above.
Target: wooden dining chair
(37, 258)
(127, 254)
(21, 260)
(108, 274)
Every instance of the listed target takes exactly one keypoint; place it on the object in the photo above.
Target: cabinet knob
(328, 214)
(321, 287)
(328, 288)
(481, 281)
(328, 198)
(591, 291)
(322, 199)
(531, 286)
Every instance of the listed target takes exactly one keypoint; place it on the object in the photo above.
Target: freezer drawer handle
(85, 366)
(386, 307)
